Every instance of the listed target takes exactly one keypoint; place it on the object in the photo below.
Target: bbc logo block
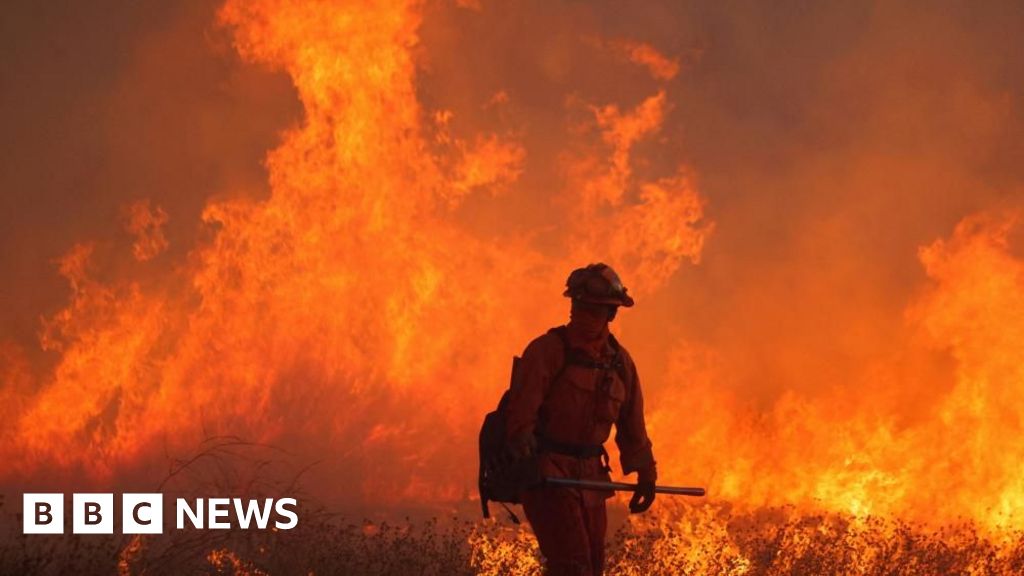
(43, 514)
(143, 513)
(92, 513)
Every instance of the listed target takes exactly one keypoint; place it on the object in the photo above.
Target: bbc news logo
(144, 513)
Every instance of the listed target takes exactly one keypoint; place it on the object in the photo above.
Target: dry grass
(699, 539)
(677, 538)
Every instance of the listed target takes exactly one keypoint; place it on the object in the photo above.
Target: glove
(643, 496)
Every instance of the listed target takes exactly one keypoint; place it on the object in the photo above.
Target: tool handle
(621, 486)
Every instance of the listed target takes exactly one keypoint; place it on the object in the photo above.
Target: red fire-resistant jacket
(579, 410)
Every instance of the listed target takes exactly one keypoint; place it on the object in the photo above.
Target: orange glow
(145, 223)
(846, 453)
(352, 312)
(363, 313)
(659, 66)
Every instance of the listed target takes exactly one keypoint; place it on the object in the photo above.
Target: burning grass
(689, 539)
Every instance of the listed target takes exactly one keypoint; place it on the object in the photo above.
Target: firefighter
(575, 382)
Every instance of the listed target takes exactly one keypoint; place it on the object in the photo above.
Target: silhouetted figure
(573, 384)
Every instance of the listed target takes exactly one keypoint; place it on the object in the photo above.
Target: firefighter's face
(594, 312)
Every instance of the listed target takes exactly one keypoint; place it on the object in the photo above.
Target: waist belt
(566, 449)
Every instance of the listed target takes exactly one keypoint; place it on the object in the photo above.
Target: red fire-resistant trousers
(569, 532)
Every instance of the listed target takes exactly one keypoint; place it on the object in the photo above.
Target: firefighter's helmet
(598, 284)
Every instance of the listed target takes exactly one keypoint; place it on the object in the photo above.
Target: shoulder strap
(620, 368)
(563, 336)
(617, 362)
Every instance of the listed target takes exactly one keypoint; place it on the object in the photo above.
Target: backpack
(501, 477)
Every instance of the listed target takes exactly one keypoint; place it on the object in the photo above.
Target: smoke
(764, 177)
(110, 103)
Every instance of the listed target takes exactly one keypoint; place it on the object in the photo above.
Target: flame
(129, 555)
(854, 454)
(223, 559)
(145, 223)
(659, 66)
(356, 311)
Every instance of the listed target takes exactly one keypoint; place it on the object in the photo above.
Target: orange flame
(356, 312)
(855, 452)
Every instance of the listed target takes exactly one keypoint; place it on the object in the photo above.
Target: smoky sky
(105, 103)
(829, 140)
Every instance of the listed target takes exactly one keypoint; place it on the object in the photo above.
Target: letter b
(93, 514)
(42, 514)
